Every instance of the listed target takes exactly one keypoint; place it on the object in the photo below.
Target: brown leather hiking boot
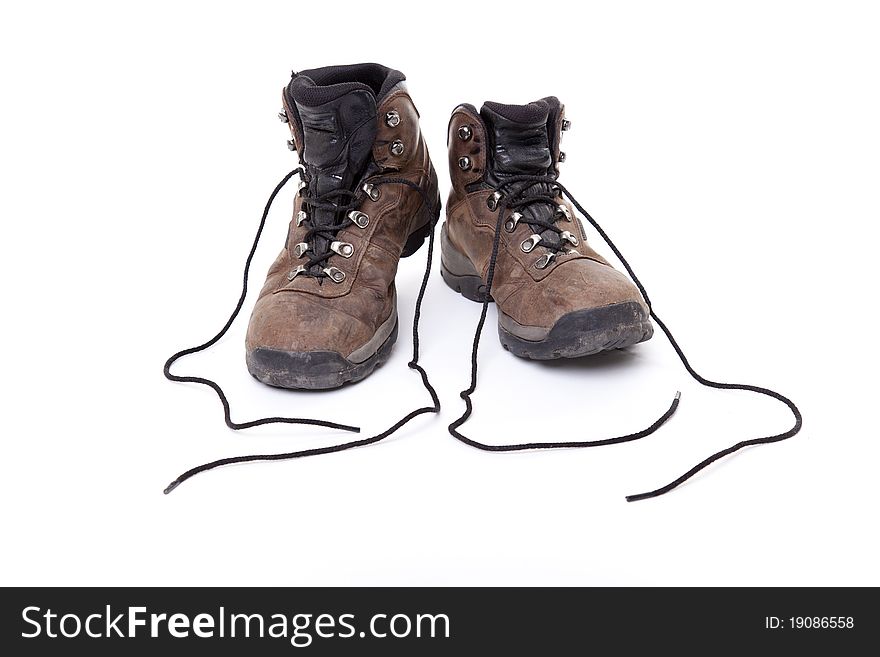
(556, 297)
(327, 313)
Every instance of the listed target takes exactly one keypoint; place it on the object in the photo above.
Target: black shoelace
(413, 364)
(523, 194)
(339, 201)
(516, 195)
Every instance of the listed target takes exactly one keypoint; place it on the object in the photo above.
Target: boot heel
(470, 287)
(459, 273)
(427, 217)
(419, 235)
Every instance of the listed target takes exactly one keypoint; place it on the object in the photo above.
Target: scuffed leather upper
(531, 296)
(309, 314)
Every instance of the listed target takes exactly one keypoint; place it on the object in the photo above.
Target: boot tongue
(520, 145)
(519, 139)
(338, 127)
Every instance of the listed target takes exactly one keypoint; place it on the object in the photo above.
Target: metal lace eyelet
(511, 223)
(301, 216)
(300, 249)
(301, 185)
(492, 201)
(529, 245)
(372, 191)
(561, 209)
(392, 118)
(464, 163)
(335, 274)
(344, 249)
(396, 148)
(291, 145)
(282, 116)
(545, 260)
(465, 133)
(566, 125)
(360, 219)
(562, 157)
(568, 237)
(296, 272)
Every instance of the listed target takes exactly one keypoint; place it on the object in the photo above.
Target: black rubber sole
(579, 333)
(584, 333)
(313, 370)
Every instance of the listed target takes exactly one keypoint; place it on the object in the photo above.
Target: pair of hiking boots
(327, 314)
(368, 196)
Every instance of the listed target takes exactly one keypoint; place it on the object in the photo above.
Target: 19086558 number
(821, 622)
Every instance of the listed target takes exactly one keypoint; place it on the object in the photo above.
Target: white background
(732, 153)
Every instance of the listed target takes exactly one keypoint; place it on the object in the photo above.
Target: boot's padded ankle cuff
(378, 79)
(303, 91)
(532, 113)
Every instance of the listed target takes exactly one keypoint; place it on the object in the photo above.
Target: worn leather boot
(556, 297)
(327, 313)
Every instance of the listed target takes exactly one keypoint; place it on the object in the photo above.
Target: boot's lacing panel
(522, 194)
(343, 204)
